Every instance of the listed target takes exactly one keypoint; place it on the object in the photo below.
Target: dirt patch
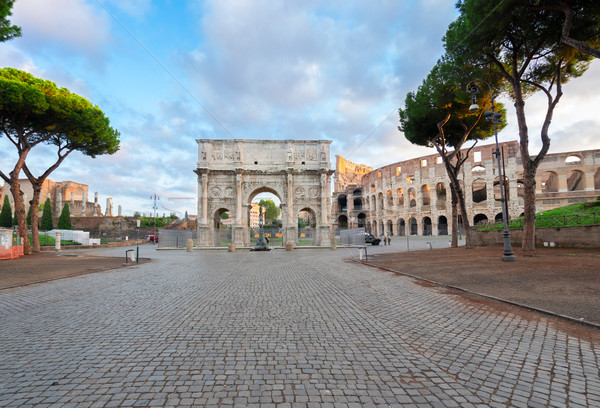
(45, 266)
(564, 281)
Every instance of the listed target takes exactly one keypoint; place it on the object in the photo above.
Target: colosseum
(412, 197)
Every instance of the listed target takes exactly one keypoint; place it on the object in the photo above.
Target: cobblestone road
(280, 329)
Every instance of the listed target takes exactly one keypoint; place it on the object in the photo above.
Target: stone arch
(390, 228)
(222, 227)
(357, 203)
(342, 221)
(575, 180)
(479, 189)
(498, 217)
(425, 195)
(573, 159)
(380, 205)
(232, 171)
(390, 199)
(597, 180)
(413, 226)
(427, 227)
(497, 195)
(440, 196)
(401, 228)
(381, 228)
(442, 225)
(480, 219)
(400, 194)
(307, 235)
(362, 220)
(412, 197)
(342, 201)
(549, 182)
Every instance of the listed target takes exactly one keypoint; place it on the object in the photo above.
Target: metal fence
(175, 238)
(353, 236)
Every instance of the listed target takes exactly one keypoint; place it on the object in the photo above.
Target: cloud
(67, 26)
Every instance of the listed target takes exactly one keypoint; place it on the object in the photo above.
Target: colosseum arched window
(576, 181)
(400, 194)
(440, 195)
(412, 198)
(479, 190)
(425, 195)
(549, 182)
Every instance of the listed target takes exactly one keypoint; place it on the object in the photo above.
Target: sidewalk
(561, 281)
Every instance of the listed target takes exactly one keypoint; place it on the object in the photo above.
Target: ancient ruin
(232, 172)
(412, 197)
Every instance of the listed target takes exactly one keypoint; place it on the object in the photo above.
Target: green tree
(575, 11)
(523, 45)
(46, 224)
(6, 214)
(64, 221)
(7, 31)
(438, 116)
(34, 111)
(271, 210)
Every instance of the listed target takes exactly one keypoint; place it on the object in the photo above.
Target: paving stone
(279, 329)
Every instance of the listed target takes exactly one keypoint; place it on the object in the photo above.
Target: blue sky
(169, 72)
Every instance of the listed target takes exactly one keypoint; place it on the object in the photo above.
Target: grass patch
(587, 213)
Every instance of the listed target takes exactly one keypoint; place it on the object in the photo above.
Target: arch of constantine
(232, 172)
(412, 197)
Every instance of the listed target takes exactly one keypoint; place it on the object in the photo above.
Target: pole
(508, 255)
(137, 241)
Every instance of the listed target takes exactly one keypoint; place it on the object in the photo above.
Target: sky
(168, 72)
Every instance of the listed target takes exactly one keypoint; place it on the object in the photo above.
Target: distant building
(61, 192)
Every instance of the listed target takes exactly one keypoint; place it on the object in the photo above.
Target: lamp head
(474, 105)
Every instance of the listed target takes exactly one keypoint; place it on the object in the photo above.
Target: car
(370, 239)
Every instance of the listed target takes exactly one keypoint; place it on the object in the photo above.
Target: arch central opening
(265, 208)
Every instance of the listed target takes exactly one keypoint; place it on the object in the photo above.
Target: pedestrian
(389, 240)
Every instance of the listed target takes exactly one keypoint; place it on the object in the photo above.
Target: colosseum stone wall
(412, 197)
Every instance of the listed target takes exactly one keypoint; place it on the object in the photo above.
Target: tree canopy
(438, 115)
(34, 111)
(64, 221)
(6, 214)
(521, 42)
(7, 30)
(271, 209)
(47, 224)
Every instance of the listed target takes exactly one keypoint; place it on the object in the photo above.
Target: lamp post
(155, 207)
(492, 116)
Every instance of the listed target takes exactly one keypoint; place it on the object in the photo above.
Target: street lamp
(495, 118)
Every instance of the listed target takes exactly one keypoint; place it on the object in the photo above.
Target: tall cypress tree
(47, 223)
(6, 214)
(64, 221)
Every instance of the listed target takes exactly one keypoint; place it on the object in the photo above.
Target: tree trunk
(457, 194)
(454, 241)
(35, 205)
(15, 189)
(529, 207)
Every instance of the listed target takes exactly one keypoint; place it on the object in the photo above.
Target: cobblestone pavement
(281, 329)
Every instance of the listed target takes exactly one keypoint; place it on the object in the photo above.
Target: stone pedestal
(57, 243)
(189, 245)
(204, 236)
